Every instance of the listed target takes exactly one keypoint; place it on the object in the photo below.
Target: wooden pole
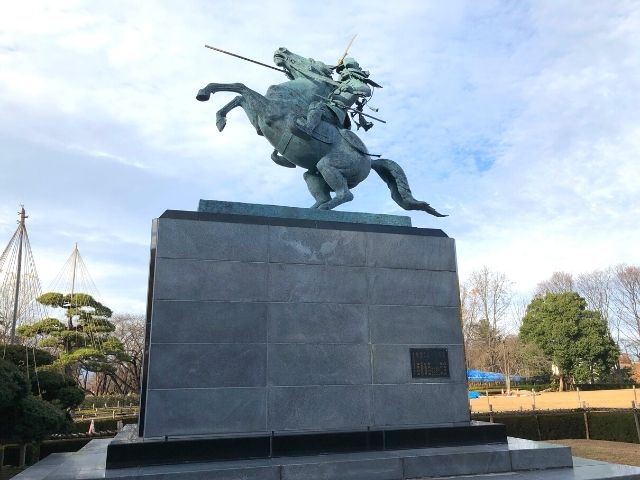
(23, 455)
(586, 424)
(634, 407)
(18, 274)
(534, 398)
(579, 402)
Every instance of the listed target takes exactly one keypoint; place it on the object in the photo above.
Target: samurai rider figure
(353, 89)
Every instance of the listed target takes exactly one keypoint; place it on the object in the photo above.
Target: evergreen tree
(575, 339)
(25, 418)
(58, 389)
(85, 341)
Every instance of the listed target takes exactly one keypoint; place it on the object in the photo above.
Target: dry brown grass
(523, 400)
(614, 452)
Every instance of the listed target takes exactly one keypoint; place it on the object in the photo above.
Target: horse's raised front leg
(221, 115)
(205, 93)
(251, 102)
(239, 101)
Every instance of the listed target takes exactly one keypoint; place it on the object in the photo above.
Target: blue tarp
(474, 395)
(479, 376)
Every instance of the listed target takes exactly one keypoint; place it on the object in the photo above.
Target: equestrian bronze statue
(307, 120)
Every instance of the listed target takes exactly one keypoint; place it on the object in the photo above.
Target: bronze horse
(335, 160)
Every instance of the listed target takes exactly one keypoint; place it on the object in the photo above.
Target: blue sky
(519, 119)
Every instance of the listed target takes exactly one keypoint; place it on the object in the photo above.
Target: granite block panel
(212, 240)
(317, 283)
(209, 280)
(205, 411)
(361, 469)
(297, 216)
(231, 472)
(208, 322)
(400, 324)
(317, 323)
(318, 364)
(319, 408)
(206, 365)
(389, 250)
(390, 286)
(449, 465)
(530, 455)
(420, 404)
(312, 246)
(392, 364)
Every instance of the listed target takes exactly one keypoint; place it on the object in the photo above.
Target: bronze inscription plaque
(429, 362)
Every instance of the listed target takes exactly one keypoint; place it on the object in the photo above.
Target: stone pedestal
(264, 324)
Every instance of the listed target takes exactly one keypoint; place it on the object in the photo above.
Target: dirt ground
(614, 452)
(524, 400)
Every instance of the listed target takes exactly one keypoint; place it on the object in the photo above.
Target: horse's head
(299, 67)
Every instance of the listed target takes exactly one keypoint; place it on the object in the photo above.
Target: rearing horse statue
(335, 159)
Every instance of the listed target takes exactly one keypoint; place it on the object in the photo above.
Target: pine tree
(85, 340)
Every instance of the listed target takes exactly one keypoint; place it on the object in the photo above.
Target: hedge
(102, 424)
(562, 425)
(110, 400)
(604, 386)
(614, 426)
(521, 426)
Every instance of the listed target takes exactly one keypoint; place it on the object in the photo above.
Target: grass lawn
(614, 452)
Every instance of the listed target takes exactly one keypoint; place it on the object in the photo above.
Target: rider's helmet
(352, 67)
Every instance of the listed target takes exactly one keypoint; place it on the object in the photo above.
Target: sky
(518, 119)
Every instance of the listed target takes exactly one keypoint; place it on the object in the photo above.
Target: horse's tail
(396, 180)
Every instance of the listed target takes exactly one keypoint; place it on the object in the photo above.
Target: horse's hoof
(203, 96)
(221, 123)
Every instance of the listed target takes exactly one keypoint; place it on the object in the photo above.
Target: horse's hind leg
(318, 188)
(336, 181)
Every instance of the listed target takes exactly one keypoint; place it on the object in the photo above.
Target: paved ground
(614, 452)
(556, 400)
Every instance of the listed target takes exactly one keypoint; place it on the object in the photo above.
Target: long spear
(341, 59)
(245, 58)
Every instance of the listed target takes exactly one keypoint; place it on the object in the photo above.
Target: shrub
(102, 424)
(562, 425)
(58, 389)
(614, 426)
(17, 354)
(25, 418)
(522, 426)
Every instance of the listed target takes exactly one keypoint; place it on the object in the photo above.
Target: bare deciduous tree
(626, 299)
(125, 377)
(486, 299)
(559, 282)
